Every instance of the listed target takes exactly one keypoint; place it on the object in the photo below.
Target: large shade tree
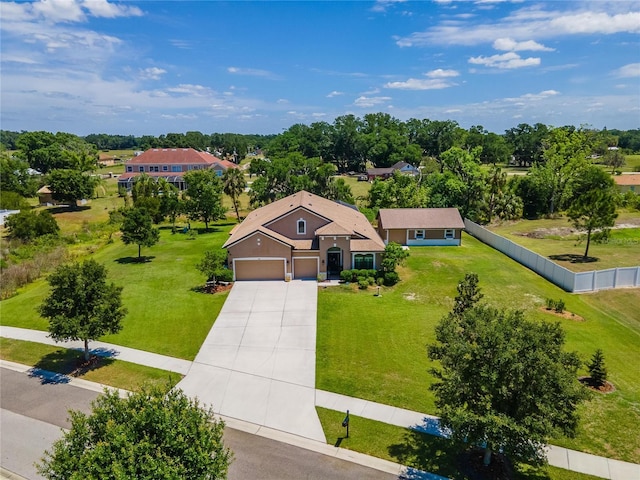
(204, 196)
(137, 228)
(152, 433)
(503, 382)
(81, 304)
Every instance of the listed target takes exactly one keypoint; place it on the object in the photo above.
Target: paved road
(32, 413)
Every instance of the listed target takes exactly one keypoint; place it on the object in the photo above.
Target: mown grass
(167, 313)
(375, 347)
(415, 449)
(551, 238)
(115, 373)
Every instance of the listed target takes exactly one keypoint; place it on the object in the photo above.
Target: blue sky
(93, 66)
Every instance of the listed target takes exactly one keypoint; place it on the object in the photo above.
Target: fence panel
(560, 276)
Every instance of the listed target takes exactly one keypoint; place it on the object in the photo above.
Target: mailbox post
(345, 423)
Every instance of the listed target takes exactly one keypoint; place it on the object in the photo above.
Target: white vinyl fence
(564, 278)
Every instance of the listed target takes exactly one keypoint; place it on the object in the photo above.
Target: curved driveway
(258, 362)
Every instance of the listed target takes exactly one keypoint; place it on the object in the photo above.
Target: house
(629, 182)
(420, 226)
(302, 236)
(384, 173)
(45, 196)
(171, 164)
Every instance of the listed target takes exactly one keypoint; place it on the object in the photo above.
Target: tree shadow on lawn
(68, 208)
(573, 258)
(142, 259)
(60, 366)
(441, 457)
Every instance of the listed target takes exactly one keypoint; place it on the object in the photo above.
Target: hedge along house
(302, 236)
(171, 164)
(420, 226)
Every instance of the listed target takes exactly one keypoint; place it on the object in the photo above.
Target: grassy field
(554, 238)
(415, 449)
(375, 347)
(115, 373)
(166, 313)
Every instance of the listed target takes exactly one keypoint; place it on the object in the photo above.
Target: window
(141, 169)
(449, 234)
(153, 168)
(419, 234)
(302, 227)
(363, 261)
(165, 168)
(129, 169)
(176, 168)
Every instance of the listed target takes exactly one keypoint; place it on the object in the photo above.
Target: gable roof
(341, 220)
(175, 156)
(420, 218)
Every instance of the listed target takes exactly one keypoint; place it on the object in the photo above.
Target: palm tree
(233, 185)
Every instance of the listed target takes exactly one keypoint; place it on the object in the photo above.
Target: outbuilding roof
(419, 218)
(628, 179)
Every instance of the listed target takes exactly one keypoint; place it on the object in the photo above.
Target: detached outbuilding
(421, 226)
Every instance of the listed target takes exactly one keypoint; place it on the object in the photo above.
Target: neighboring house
(171, 164)
(420, 226)
(302, 236)
(384, 173)
(45, 196)
(629, 182)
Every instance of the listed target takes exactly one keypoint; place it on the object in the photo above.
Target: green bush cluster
(557, 305)
(369, 277)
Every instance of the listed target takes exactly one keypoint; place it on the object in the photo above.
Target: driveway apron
(258, 362)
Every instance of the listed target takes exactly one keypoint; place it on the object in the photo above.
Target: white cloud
(152, 73)
(511, 45)
(59, 10)
(318, 115)
(527, 24)
(440, 73)
(419, 84)
(191, 90)
(335, 93)
(252, 72)
(381, 6)
(508, 60)
(366, 102)
(102, 8)
(627, 71)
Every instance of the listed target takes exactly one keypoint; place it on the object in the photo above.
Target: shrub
(379, 281)
(363, 283)
(559, 306)
(225, 275)
(391, 278)
(346, 276)
(28, 224)
(597, 369)
(551, 303)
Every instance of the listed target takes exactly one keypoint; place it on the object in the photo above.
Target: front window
(419, 234)
(363, 261)
(129, 169)
(141, 169)
(176, 168)
(165, 168)
(449, 234)
(302, 227)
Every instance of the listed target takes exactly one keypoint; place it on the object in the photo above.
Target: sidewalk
(557, 456)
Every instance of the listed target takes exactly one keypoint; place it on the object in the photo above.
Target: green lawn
(375, 347)
(115, 373)
(414, 449)
(166, 313)
(551, 238)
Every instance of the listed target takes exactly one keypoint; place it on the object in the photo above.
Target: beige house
(302, 236)
(420, 226)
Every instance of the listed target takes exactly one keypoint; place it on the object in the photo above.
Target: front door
(334, 262)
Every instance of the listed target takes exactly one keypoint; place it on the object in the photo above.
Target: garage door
(305, 267)
(259, 269)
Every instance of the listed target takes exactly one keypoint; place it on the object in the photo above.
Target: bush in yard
(390, 278)
(363, 283)
(345, 276)
(393, 256)
(559, 306)
(28, 224)
(597, 369)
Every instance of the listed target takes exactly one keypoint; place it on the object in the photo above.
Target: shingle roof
(174, 156)
(341, 220)
(422, 218)
(628, 179)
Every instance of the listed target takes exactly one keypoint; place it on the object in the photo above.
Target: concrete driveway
(258, 362)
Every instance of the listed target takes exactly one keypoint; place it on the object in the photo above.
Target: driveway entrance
(258, 362)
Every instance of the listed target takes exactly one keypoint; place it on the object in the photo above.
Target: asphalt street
(33, 412)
